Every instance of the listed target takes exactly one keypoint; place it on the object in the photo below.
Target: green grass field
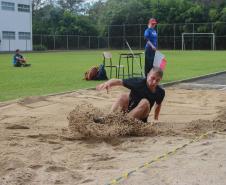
(63, 71)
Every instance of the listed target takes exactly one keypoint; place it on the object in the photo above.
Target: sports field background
(56, 72)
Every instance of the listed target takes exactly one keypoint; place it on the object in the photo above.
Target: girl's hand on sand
(103, 86)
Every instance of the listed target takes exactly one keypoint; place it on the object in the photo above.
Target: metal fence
(169, 37)
(69, 42)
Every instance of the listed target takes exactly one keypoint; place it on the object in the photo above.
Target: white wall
(18, 22)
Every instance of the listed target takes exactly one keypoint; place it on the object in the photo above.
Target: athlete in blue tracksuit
(151, 38)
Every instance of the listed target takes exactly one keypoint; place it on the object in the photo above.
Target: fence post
(214, 39)
(54, 42)
(78, 42)
(212, 27)
(9, 44)
(41, 39)
(182, 42)
(108, 36)
(89, 42)
(174, 36)
(140, 36)
(193, 36)
(124, 36)
(74, 42)
(67, 41)
(98, 43)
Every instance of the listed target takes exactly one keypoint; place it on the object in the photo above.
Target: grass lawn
(63, 71)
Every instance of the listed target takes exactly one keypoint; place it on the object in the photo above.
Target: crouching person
(144, 94)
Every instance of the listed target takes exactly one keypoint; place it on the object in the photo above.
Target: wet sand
(40, 146)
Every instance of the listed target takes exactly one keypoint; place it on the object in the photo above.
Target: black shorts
(149, 59)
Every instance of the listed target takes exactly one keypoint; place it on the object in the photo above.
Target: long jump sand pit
(53, 140)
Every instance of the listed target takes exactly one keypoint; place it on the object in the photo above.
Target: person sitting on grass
(144, 93)
(19, 60)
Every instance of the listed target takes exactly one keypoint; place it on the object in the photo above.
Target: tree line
(83, 18)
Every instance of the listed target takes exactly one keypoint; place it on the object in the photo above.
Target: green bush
(39, 47)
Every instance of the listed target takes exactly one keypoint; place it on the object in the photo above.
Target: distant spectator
(151, 38)
(19, 60)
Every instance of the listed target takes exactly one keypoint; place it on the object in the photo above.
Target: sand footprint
(87, 181)
(15, 127)
(35, 166)
(103, 157)
(55, 169)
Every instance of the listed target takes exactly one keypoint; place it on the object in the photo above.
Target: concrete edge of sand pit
(2, 104)
(192, 79)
